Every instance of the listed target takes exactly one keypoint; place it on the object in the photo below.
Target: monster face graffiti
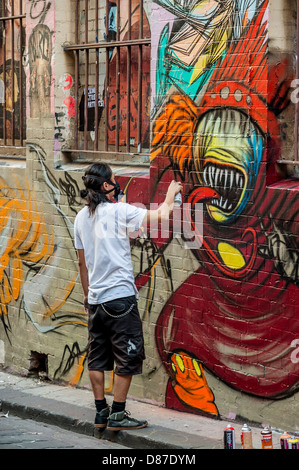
(220, 145)
(228, 151)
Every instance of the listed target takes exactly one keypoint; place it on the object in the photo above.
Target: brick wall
(218, 302)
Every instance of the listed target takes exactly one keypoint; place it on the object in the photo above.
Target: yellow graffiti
(110, 387)
(231, 256)
(60, 302)
(213, 53)
(78, 371)
(8, 95)
(25, 238)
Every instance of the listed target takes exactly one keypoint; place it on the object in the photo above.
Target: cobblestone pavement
(17, 433)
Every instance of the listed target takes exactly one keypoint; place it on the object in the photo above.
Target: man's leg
(121, 387)
(97, 381)
(119, 419)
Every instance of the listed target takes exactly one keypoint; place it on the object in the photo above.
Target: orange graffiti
(79, 371)
(26, 240)
(191, 386)
(174, 129)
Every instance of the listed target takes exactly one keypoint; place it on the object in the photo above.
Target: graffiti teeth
(228, 182)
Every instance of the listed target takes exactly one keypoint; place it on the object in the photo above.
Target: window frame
(85, 47)
(8, 146)
(296, 140)
(294, 163)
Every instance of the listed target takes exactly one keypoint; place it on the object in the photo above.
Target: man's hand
(166, 208)
(173, 189)
(83, 273)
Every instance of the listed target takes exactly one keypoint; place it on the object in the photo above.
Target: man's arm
(83, 273)
(165, 209)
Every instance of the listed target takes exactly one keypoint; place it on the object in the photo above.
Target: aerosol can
(266, 437)
(284, 440)
(246, 437)
(229, 437)
(293, 443)
(178, 199)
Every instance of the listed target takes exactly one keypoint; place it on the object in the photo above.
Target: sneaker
(122, 420)
(102, 418)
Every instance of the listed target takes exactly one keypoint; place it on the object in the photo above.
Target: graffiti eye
(196, 367)
(180, 362)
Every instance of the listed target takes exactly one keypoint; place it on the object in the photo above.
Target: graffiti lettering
(39, 9)
(58, 128)
(40, 54)
(68, 82)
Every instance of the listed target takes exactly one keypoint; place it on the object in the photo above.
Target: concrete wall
(219, 303)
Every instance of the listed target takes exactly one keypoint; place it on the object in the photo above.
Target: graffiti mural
(40, 81)
(220, 312)
(196, 38)
(218, 132)
(123, 73)
(32, 254)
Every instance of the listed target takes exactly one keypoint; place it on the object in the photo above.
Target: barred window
(296, 156)
(288, 165)
(12, 78)
(112, 80)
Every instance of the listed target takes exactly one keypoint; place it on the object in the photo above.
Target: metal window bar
(295, 160)
(82, 49)
(297, 76)
(11, 72)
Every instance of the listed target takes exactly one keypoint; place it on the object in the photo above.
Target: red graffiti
(69, 102)
(68, 82)
(237, 314)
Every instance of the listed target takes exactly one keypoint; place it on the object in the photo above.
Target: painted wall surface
(239, 308)
(219, 286)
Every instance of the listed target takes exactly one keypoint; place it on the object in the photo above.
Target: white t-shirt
(104, 236)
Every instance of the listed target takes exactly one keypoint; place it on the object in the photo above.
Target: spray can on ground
(266, 437)
(246, 437)
(229, 437)
(293, 443)
(178, 199)
(284, 440)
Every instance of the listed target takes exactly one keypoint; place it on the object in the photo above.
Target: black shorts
(116, 336)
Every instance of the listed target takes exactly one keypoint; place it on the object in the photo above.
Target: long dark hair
(93, 194)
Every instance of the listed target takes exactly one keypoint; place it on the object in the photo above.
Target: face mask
(117, 191)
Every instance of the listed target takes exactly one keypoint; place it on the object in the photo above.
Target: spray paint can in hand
(284, 440)
(246, 437)
(266, 436)
(229, 437)
(178, 199)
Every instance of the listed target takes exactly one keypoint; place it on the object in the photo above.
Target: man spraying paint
(102, 231)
